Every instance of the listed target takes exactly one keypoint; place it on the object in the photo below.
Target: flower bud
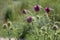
(47, 9)
(5, 26)
(24, 11)
(29, 19)
(9, 23)
(36, 8)
(55, 27)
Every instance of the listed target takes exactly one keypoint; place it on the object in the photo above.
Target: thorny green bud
(9, 23)
(55, 27)
(5, 26)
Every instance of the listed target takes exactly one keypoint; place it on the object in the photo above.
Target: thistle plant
(29, 19)
(36, 8)
(37, 22)
(55, 27)
(5, 26)
(47, 9)
(8, 27)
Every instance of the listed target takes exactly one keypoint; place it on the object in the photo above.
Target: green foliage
(40, 28)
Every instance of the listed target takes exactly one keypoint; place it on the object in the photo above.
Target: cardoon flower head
(5, 26)
(29, 19)
(47, 9)
(55, 27)
(36, 8)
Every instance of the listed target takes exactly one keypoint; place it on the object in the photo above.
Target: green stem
(53, 17)
(54, 35)
(9, 35)
(37, 31)
(48, 23)
(44, 36)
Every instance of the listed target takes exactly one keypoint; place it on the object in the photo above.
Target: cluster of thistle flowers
(37, 8)
(7, 25)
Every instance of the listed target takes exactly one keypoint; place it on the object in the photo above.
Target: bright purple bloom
(47, 9)
(36, 8)
(29, 19)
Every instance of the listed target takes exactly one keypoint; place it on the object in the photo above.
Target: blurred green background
(18, 20)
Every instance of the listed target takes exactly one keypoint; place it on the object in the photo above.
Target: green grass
(19, 21)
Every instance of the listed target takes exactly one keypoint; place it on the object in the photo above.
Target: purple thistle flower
(47, 9)
(29, 19)
(36, 8)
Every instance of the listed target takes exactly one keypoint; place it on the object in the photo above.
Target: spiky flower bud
(24, 11)
(47, 9)
(55, 27)
(29, 19)
(5, 26)
(9, 23)
(36, 8)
